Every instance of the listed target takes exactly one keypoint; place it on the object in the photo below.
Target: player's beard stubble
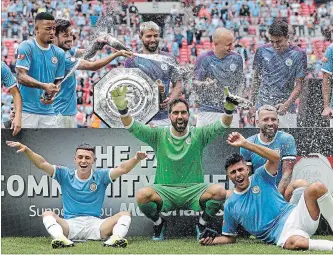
(151, 46)
(179, 124)
(269, 131)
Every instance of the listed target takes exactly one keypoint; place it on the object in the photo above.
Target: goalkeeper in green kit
(179, 181)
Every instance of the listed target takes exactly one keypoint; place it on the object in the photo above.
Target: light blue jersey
(227, 71)
(65, 101)
(7, 78)
(260, 209)
(82, 197)
(283, 142)
(278, 73)
(328, 66)
(44, 65)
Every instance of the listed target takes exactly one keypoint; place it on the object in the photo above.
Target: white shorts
(205, 118)
(299, 223)
(84, 228)
(289, 120)
(30, 120)
(66, 121)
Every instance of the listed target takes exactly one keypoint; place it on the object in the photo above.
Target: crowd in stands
(186, 32)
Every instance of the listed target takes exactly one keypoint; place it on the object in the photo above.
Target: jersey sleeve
(247, 155)
(229, 227)
(60, 73)
(288, 150)
(200, 72)
(7, 78)
(328, 66)
(129, 63)
(211, 131)
(301, 65)
(265, 175)
(72, 51)
(144, 133)
(60, 173)
(24, 56)
(105, 176)
(257, 61)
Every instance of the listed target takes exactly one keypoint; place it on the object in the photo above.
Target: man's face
(279, 43)
(84, 160)
(179, 117)
(268, 122)
(150, 40)
(65, 39)
(45, 30)
(223, 46)
(239, 174)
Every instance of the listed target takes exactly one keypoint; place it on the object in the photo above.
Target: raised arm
(218, 240)
(119, 98)
(35, 158)
(273, 158)
(128, 165)
(95, 65)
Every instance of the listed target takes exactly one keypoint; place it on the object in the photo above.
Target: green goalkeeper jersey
(179, 159)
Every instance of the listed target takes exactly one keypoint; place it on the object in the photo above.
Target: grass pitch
(144, 245)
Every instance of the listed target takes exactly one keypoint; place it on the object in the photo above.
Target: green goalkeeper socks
(150, 210)
(213, 207)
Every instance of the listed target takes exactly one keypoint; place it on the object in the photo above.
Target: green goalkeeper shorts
(181, 197)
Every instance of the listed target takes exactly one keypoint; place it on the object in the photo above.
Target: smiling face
(268, 122)
(239, 175)
(150, 40)
(179, 116)
(84, 160)
(65, 39)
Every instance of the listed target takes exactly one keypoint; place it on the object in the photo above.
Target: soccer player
(219, 67)
(166, 72)
(270, 137)
(327, 69)
(258, 206)
(279, 69)
(65, 101)
(9, 81)
(179, 149)
(83, 191)
(40, 66)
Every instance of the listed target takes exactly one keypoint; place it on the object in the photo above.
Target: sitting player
(83, 191)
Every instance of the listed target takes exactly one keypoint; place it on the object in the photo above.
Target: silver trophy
(142, 96)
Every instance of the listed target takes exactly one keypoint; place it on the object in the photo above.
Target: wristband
(124, 112)
(228, 112)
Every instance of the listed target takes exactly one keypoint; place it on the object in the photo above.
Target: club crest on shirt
(93, 187)
(164, 67)
(54, 60)
(233, 67)
(255, 190)
(188, 140)
(289, 62)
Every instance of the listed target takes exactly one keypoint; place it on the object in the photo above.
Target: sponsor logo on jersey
(20, 56)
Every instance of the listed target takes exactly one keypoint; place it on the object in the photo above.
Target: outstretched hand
(236, 139)
(140, 155)
(21, 147)
(119, 97)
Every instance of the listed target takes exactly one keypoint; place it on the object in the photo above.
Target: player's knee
(49, 213)
(144, 195)
(317, 189)
(299, 183)
(295, 243)
(218, 192)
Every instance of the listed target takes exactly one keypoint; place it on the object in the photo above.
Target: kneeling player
(83, 192)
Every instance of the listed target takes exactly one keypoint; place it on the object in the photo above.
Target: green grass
(143, 245)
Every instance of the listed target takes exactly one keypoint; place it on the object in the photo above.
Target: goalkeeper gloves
(119, 98)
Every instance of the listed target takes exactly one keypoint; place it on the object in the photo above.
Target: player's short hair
(149, 25)
(86, 147)
(62, 25)
(233, 159)
(176, 101)
(44, 16)
(279, 28)
(265, 107)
